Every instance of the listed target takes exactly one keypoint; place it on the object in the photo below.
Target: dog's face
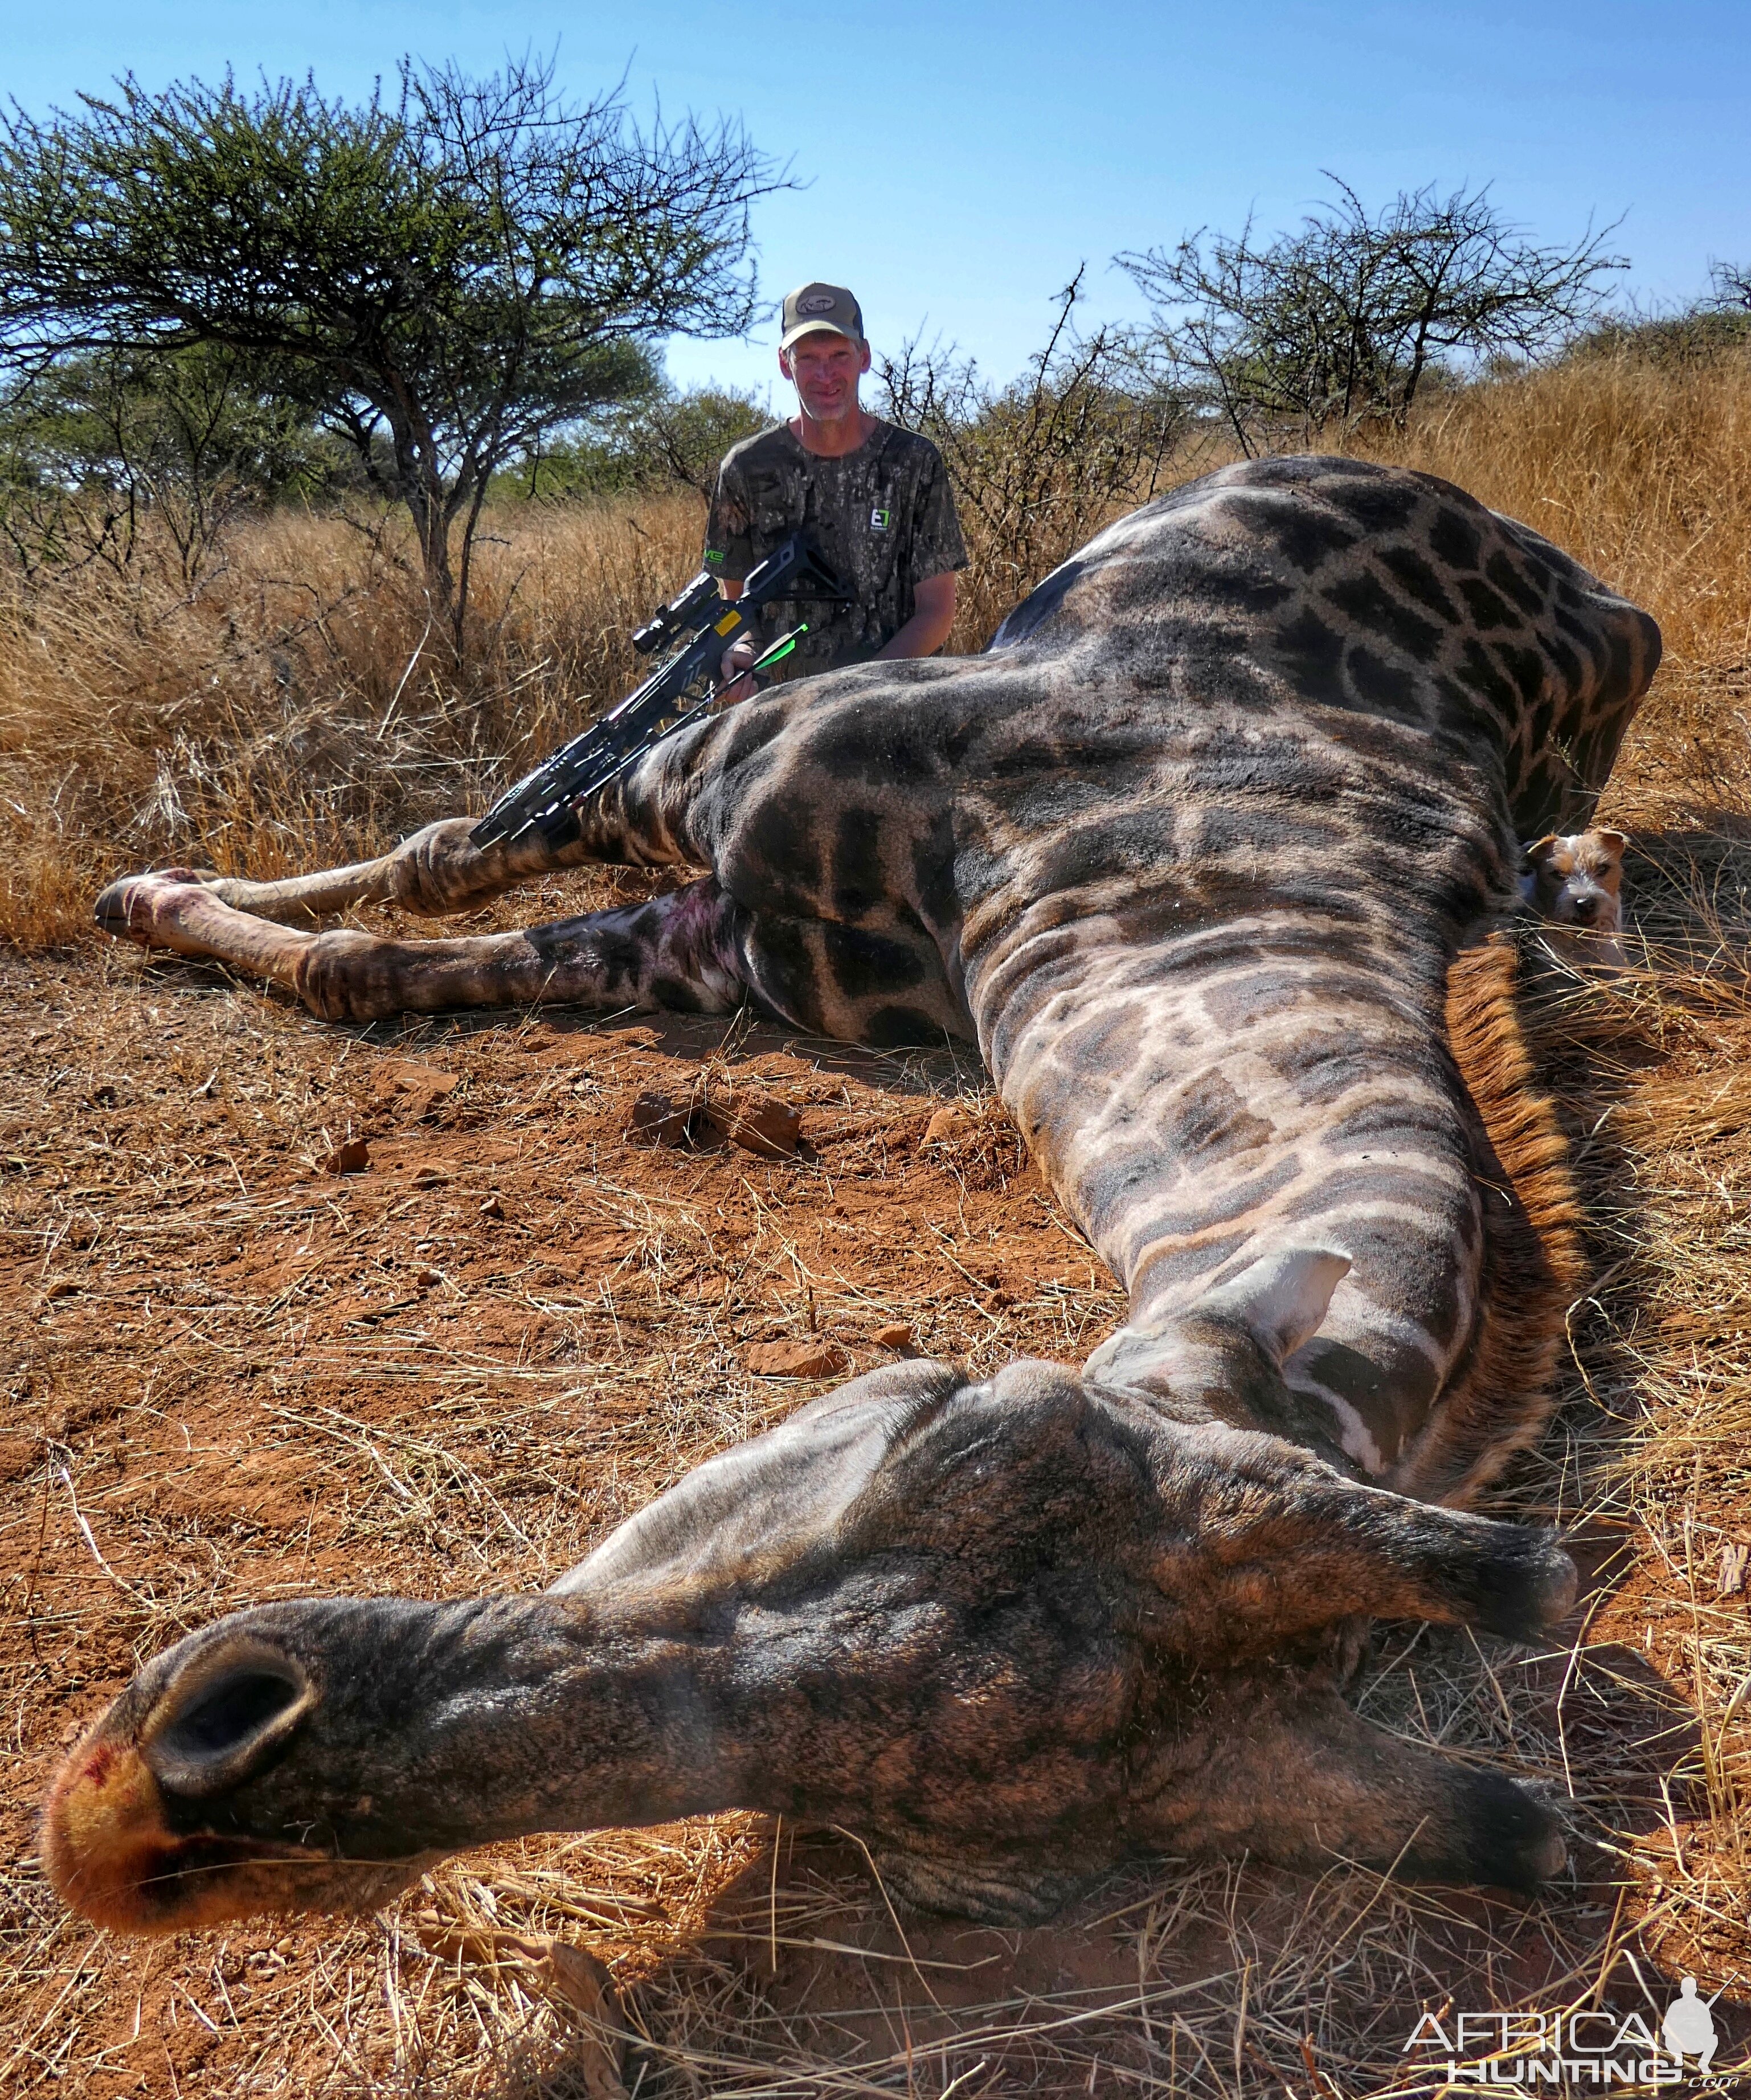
(1574, 880)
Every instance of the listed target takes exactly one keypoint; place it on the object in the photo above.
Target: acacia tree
(441, 277)
(1343, 319)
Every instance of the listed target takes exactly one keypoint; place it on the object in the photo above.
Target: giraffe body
(1191, 854)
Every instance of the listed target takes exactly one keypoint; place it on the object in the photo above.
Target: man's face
(824, 368)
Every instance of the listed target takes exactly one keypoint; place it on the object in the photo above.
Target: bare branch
(1346, 319)
(1044, 462)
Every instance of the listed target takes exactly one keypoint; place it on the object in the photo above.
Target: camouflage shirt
(882, 515)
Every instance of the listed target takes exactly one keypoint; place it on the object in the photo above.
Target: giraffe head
(1011, 1630)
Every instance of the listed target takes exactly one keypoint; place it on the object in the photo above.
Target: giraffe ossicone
(1209, 854)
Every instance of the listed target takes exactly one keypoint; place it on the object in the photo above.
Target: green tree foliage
(1716, 326)
(664, 439)
(681, 438)
(1695, 335)
(1345, 319)
(97, 441)
(441, 278)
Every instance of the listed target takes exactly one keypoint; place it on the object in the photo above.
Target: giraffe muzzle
(135, 1832)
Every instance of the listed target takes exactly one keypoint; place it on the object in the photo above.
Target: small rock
(352, 1158)
(946, 1125)
(425, 1278)
(897, 1335)
(656, 1120)
(430, 1177)
(492, 1209)
(419, 1088)
(62, 1286)
(772, 1129)
(810, 1359)
(579, 1980)
(402, 1076)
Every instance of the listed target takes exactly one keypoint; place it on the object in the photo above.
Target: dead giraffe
(1199, 853)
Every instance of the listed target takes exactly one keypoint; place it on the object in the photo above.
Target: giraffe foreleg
(677, 951)
(435, 871)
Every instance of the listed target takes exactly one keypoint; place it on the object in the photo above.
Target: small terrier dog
(1573, 883)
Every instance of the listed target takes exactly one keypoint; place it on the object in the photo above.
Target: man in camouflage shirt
(877, 499)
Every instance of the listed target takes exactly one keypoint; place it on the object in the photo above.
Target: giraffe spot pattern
(1188, 855)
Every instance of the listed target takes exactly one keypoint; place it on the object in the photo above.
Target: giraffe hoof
(132, 908)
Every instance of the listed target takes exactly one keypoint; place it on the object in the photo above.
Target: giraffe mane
(1535, 1261)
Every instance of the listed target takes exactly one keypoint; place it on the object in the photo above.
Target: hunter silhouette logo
(1575, 2050)
(1688, 2027)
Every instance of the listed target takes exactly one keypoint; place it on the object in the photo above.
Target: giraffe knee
(440, 870)
(344, 976)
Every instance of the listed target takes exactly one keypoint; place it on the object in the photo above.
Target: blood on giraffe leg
(677, 951)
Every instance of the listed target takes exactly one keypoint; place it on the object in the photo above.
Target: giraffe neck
(1273, 1080)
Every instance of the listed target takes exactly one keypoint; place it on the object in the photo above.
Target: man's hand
(923, 635)
(737, 657)
(736, 686)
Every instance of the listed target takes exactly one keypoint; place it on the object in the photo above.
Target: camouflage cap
(814, 307)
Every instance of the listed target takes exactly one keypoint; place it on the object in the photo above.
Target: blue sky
(961, 160)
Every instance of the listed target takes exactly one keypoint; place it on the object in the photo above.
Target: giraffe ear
(1282, 1297)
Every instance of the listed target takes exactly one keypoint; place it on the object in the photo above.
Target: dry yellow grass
(240, 1393)
(299, 705)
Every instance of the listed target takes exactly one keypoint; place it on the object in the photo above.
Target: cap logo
(816, 303)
